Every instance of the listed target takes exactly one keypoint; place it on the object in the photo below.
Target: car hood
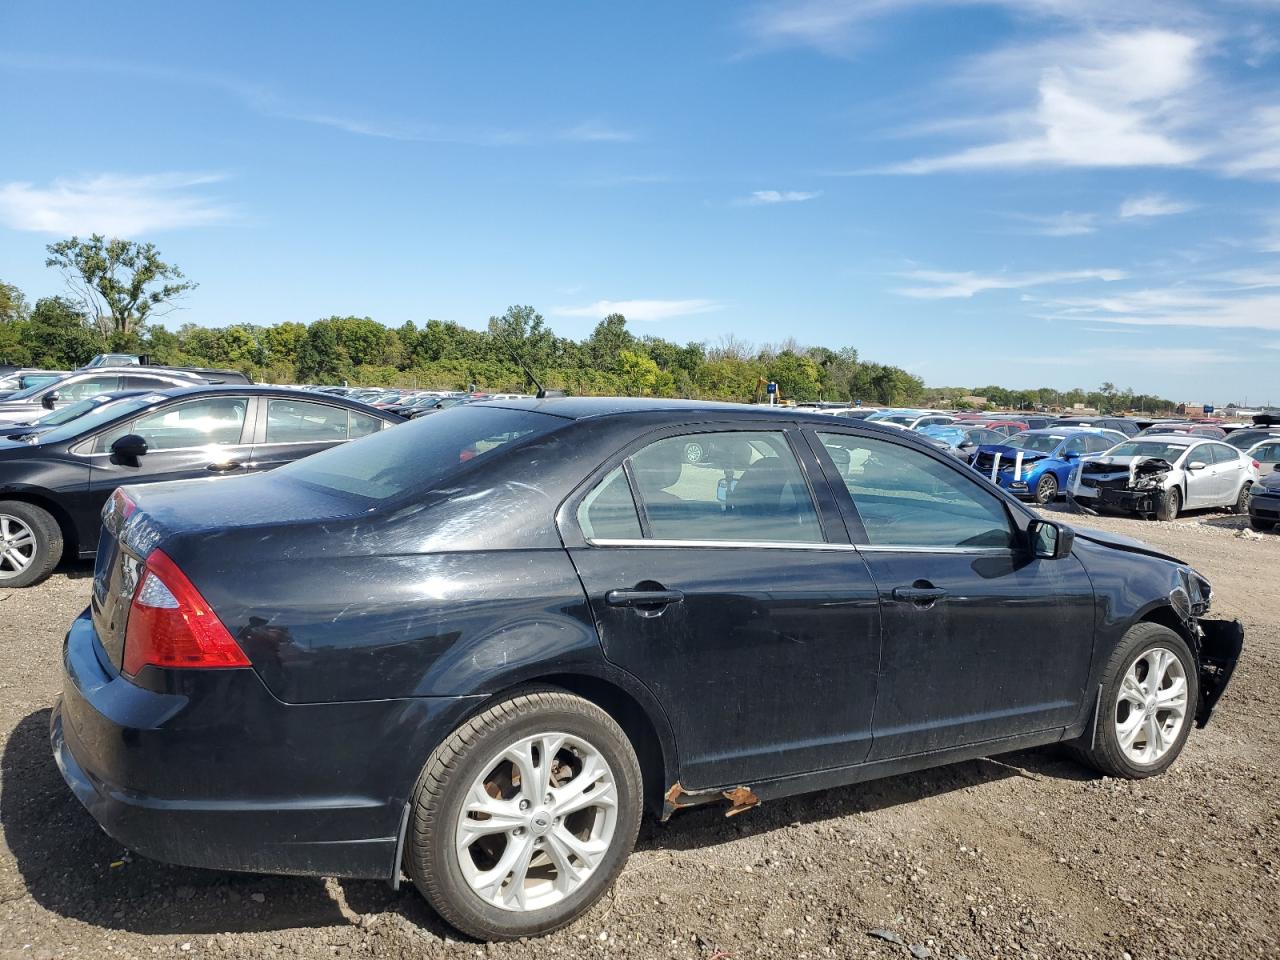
(1117, 541)
(1119, 462)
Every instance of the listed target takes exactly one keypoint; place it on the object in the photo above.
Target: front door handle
(642, 598)
(225, 467)
(921, 596)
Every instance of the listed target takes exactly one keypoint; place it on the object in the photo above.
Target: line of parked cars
(1153, 468)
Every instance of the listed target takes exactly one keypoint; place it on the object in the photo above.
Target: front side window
(304, 421)
(907, 499)
(1221, 453)
(1075, 445)
(208, 421)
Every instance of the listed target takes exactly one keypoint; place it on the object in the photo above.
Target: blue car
(960, 441)
(1037, 464)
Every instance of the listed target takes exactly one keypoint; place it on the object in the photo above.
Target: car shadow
(708, 825)
(71, 868)
(76, 568)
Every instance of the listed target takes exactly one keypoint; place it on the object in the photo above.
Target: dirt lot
(1026, 856)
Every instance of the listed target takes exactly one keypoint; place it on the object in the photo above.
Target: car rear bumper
(217, 773)
(1265, 506)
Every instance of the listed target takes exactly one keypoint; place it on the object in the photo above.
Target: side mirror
(49, 399)
(1196, 465)
(1050, 541)
(129, 447)
(1276, 468)
(1070, 455)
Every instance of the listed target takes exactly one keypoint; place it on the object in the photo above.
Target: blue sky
(1055, 192)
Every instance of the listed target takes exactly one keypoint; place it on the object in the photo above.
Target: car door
(197, 437)
(729, 588)
(982, 640)
(1204, 483)
(1231, 468)
(290, 428)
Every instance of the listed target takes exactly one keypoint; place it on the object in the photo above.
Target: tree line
(118, 290)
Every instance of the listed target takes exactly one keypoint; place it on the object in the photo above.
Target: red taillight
(171, 625)
(123, 504)
(1257, 465)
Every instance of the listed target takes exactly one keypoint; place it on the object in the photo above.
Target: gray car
(35, 401)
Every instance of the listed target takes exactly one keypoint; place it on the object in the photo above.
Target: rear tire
(1169, 504)
(30, 543)
(1242, 501)
(1047, 489)
(477, 824)
(1131, 677)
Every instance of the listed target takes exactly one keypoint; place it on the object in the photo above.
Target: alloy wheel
(537, 822)
(17, 546)
(1151, 707)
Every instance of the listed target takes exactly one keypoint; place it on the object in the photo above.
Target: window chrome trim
(801, 545)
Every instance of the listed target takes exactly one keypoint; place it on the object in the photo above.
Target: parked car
(52, 489)
(1192, 429)
(472, 649)
(959, 438)
(437, 404)
(1120, 424)
(1264, 505)
(854, 413)
(1246, 438)
(1162, 475)
(1005, 427)
(24, 377)
(1037, 464)
(1266, 454)
(911, 419)
(38, 400)
(28, 430)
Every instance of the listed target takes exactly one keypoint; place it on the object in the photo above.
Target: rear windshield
(418, 454)
(1036, 442)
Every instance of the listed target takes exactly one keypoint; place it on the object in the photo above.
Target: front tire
(1047, 489)
(1169, 505)
(1150, 690)
(1262, 525)
(30, 543)
(524, 816)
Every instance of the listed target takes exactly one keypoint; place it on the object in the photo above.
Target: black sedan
(474, 648)
(1264, 504)
(54, 482)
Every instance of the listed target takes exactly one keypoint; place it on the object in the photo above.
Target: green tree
(13, 305)
(637, 373)
(797, 377)
(607, 342)
(60, 335)
(321, 356)
(121, 284)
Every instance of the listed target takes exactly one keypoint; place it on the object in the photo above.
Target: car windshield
(105, 413)
(902, 419)
(952, 435)
(1036, 442)
(72, 411)
(420, 453)
(1148, 448)
(30, 391)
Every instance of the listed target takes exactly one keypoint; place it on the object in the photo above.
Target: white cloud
(599, 133)
(767, 197)
(640, 309)
(1153, 205)
(1065, 224)
(114, 204)
(1250, 278)
(1101, 101)
(948, 285)
(1116, 358)
(1177, 307)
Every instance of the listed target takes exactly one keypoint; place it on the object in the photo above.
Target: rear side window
(608, 512)
(304, 421)
(417, 455)
(907, 499)
(1221, 453)
(361, 425)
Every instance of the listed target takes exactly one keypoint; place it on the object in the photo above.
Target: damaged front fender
(1220, 644)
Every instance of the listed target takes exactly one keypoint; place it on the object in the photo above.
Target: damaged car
(1264, 505)
(473, 650)
(1161, 476)
(1037, 464)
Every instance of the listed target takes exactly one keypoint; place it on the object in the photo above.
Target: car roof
(1176, 439)
(260, 390)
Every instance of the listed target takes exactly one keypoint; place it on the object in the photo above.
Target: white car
(1267, 454)
(911, 419)
(1163, 475)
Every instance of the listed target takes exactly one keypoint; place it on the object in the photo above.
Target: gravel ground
(1029, 855)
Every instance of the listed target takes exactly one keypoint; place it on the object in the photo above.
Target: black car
(1264, 502)
(53, 485)
(472, 649)
(1129, 428)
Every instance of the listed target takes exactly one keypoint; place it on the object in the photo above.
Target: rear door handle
(918, 595)
(642, 598)
(225, 467)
